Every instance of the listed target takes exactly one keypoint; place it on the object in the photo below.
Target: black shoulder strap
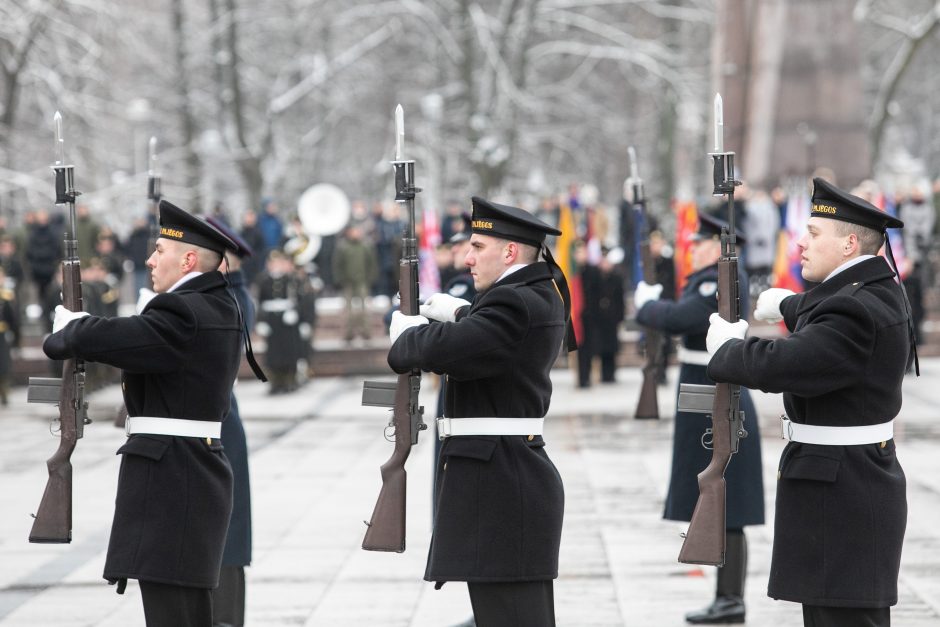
(246, 336)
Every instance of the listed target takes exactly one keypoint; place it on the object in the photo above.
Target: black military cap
(463, 235)
(512, 223)
(241, 249)
(831, 202)
(176, 224)
(709, 227)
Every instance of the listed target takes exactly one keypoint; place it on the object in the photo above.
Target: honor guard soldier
(500, 499)
(459, 286)
(688, 318)
(841, 503)
(228, 600)
(179, 359)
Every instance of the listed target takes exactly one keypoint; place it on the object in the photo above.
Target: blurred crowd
(291, 268)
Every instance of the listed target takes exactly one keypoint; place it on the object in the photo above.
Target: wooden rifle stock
(705, 540)
(386, 528)
(53, 519)
(647, 406)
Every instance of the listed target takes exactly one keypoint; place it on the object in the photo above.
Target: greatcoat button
(530, 438)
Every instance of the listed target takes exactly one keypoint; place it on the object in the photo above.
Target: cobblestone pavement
(315, 476)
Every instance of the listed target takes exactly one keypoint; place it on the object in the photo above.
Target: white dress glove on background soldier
(645, 293)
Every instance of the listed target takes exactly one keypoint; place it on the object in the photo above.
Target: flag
(429, 277)
(895, 238)
(564, 257)
(788, 272)
(686, 226)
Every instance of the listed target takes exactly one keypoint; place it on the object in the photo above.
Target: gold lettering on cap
(824, 208)
(171, 232)
(481, 224)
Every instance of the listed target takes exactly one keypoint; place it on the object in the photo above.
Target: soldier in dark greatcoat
(279, 298)
(688, 317)
(841, 496)
(500, 499)
(9, 334)
(228, 600)
(179, 359)
(460, 286)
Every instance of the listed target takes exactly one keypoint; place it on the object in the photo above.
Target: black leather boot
(722, 611)
(728, 606)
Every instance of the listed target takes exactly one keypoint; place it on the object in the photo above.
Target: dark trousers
(228, 600)
(822, 616)
(176, 606)
(513, 604)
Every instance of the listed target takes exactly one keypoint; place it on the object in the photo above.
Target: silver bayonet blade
(399, 132)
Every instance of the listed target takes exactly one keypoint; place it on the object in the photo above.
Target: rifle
(53, 521)
(386, 528)
(153, 195)
(647, 406)
(705, 540)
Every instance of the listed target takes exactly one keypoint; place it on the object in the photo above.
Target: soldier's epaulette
(851, 288)
(7, 294)
(109, 297)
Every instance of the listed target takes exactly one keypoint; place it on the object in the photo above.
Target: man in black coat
(841, 495)
(500, 499)
(228, 600)
(179, 359)
(688, 317)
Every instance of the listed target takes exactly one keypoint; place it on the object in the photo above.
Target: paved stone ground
(315, 460)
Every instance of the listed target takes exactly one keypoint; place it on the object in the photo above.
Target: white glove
(401, 322)
(144, 296)
(63, 316)
(263, 329)
(645, 293)
(721, 331)
(304, 329)
(768, 304)
(442, 307)
(290, 317)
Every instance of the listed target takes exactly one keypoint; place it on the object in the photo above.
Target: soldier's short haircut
(207, 260)
(870, 241)
(528, 253)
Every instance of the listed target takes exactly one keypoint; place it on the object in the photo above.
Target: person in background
(279, 322)
(228, 600)
(688, 317)
(9, 335)
(355, 269)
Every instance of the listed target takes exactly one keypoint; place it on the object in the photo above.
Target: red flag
(686, 226)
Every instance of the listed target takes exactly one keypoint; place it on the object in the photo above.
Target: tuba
(323, 210)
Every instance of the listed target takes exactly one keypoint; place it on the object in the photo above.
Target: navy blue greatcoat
(179, 359)
(841, 510)
(500, 498)
(238, 541)
(688, 317)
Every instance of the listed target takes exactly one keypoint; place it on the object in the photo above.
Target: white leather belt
(837, 436)
(449, 427)
(689, 356)
(173, 426)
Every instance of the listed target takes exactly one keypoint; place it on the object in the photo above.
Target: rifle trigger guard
(707, 439)
(389, 438)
